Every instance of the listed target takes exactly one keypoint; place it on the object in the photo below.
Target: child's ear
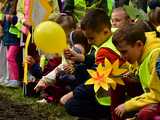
(139, 43)
(106, 30)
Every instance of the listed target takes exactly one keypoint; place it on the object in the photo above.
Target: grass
(51, 111)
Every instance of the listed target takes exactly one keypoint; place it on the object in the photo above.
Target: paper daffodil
(100, 78)
(116, 71)
(107, 76)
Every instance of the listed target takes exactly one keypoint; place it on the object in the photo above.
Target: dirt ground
(15, 106)
(10, 110)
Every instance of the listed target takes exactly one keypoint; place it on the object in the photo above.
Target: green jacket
(77, 8)
(148, 75)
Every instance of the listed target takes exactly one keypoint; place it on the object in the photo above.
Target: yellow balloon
(50, 37)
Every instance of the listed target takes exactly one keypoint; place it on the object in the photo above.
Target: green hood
(152, 42)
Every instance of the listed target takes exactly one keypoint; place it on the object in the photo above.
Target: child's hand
(67, 53)
(120, 110)
(41, 85)
(30, 60)
(68, 68)
(73, 56)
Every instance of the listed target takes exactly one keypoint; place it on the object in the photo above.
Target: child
(11, 40)
(135, 46)
(96, 27)
(34, 70)
(68, 25)
(119, 18)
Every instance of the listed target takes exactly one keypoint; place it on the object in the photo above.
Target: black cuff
(14, 20)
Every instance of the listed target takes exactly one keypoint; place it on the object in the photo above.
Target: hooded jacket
(148, 75)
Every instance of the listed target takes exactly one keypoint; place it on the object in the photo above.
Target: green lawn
(48, 111)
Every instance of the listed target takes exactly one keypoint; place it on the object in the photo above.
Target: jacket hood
(152, 42)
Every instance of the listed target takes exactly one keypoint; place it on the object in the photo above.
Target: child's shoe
(43, 101)
(13, 83)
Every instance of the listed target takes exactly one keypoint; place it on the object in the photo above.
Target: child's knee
(147, 113)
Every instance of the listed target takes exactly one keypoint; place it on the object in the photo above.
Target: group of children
(134, 42)
(63, 77)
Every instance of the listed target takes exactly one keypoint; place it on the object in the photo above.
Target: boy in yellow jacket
(137, 46)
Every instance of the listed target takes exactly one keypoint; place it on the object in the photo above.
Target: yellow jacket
(55, 9)
(152, 88)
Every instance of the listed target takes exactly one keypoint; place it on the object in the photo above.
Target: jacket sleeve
(51, 77)
(52, 64)
(153, 93)
(90, 61)
(36, 71)
(20, 10)
(107, 53)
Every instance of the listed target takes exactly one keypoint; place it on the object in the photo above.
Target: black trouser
(84, 104)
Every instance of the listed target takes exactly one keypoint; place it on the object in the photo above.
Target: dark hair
(131, 33)
(95, 19)
(153, 4)
(66, 18)
(77, 37)
(154, 16)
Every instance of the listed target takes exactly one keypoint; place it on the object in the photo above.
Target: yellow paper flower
(107, 76)
(116, 71)
(100, 78)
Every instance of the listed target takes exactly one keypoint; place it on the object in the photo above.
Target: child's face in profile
(131, 53)
(96, 38)
(119, 19)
